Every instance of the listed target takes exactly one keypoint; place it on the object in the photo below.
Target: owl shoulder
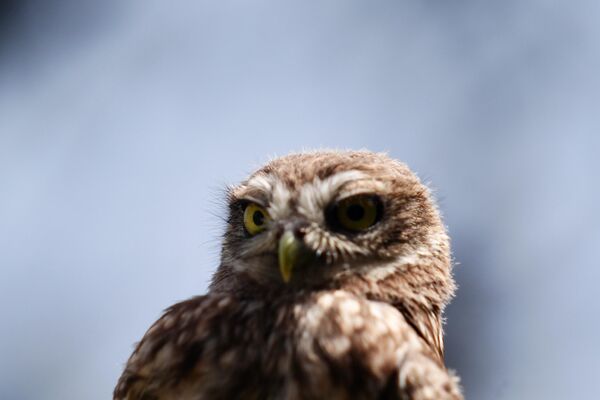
(352, 333)
(173, 346)
(343, 313)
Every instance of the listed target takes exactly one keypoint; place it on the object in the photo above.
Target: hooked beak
(288, 252)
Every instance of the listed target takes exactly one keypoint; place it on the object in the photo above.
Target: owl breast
(321, 345)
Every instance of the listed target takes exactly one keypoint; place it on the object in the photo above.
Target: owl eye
(255, 218)
(356, 213)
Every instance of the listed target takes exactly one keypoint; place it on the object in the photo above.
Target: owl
(335, 270)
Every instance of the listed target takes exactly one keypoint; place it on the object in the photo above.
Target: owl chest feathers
(329, 344)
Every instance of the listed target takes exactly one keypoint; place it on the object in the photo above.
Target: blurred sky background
(122, 121)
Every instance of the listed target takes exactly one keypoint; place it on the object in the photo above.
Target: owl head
(352, 220)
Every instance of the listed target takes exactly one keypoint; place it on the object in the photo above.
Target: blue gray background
(121, 122)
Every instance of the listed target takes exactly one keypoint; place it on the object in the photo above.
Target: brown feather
(360, 319)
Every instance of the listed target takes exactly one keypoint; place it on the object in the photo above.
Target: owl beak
(288, 251)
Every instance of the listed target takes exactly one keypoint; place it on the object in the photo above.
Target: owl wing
(427, 323)
(422, 374)
(371, 349)
(171, 349)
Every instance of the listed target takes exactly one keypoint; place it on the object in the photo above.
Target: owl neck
(420, 301)
(410, 285)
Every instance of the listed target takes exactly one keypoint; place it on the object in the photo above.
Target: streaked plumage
(333, 288)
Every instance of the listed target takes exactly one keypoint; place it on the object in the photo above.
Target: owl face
(316, 218)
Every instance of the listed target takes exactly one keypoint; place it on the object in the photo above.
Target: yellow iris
(255, 218)
(357, 213)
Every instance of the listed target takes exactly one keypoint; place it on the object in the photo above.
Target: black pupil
(355, 212)
(258, 218)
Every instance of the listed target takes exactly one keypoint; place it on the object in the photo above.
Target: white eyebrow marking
(264, 183)
(312, 197)
(315, 196)
(275, 191)
(279, 206)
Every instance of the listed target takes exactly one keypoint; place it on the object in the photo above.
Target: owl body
(334, 273)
